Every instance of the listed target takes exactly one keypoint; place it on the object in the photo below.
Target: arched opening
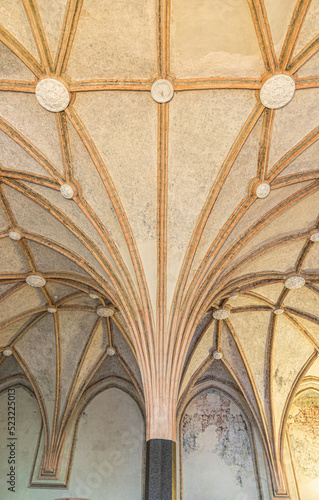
(303, 444)
(217, 449)
(108, 452)
(108, 457)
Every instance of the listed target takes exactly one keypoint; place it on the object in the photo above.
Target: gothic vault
(161, 237)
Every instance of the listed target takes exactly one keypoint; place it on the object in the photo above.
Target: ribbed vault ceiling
(165, 224)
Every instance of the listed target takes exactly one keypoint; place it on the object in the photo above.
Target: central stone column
(160, 470)
(161, 450)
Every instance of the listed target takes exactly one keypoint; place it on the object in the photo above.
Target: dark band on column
(160, 470)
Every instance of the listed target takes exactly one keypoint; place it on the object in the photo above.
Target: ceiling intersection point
(263, 190)
(277, 91)
(52, 310)
(67, 191)
(162, 90)
(221, 314)
(35, 280)
(217, 355)
(52, 95)
(295, 282)
(104, 312)
(7, 352)
(14, 235)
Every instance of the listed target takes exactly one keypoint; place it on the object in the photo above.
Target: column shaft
(160, 470)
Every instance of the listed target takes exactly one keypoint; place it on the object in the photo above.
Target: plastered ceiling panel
(289, 345)
(310, 27)
(34, 123)
(298, 111)
(12, 68)
(252, 329)
(14, 19)
(218, 34)
(193, 170)
(114, 39)
(279, 16)
(19, 303)
(144, 198)
(52, 20)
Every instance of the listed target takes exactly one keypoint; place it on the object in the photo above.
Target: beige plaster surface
(94, 352)
(310, 67)
(34, 122)
(311, 328)
(21, 302)
(252, 329)
(142, 239)
(213, 39)
(12, 68)
(311, 263)
(279, 16)
(75, 332)
(291, 351)
(8, 332)
(304, 299)
(297, 116)
(309, 29)
(14, 19)
(93, 190)
(13, 156)
(198, 127)
(16, 258)
(200, 355)
(303, 162)
(115, 38)
(279, 259)
(236, 364)
(38, 351)
(270, 292)
(52, 20)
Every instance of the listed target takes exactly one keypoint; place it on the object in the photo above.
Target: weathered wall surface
(303, 436)
(217, 457)
(108, 460)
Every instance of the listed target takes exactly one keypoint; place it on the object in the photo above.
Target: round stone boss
(221, 314)
(14, 235)
(295, 282)
(51, 310)
(162, 91)
(35, 280)
(277, 91)
(263, 190)
(52, 95)
(314, 237)
(104, 312)
(218, 355)
(67, 191)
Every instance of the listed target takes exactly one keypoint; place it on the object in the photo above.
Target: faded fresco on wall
(217, 456)
(303, 435)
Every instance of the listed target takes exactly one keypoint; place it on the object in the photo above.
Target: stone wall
(303, 439)
(218, 456)
(108, 459)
